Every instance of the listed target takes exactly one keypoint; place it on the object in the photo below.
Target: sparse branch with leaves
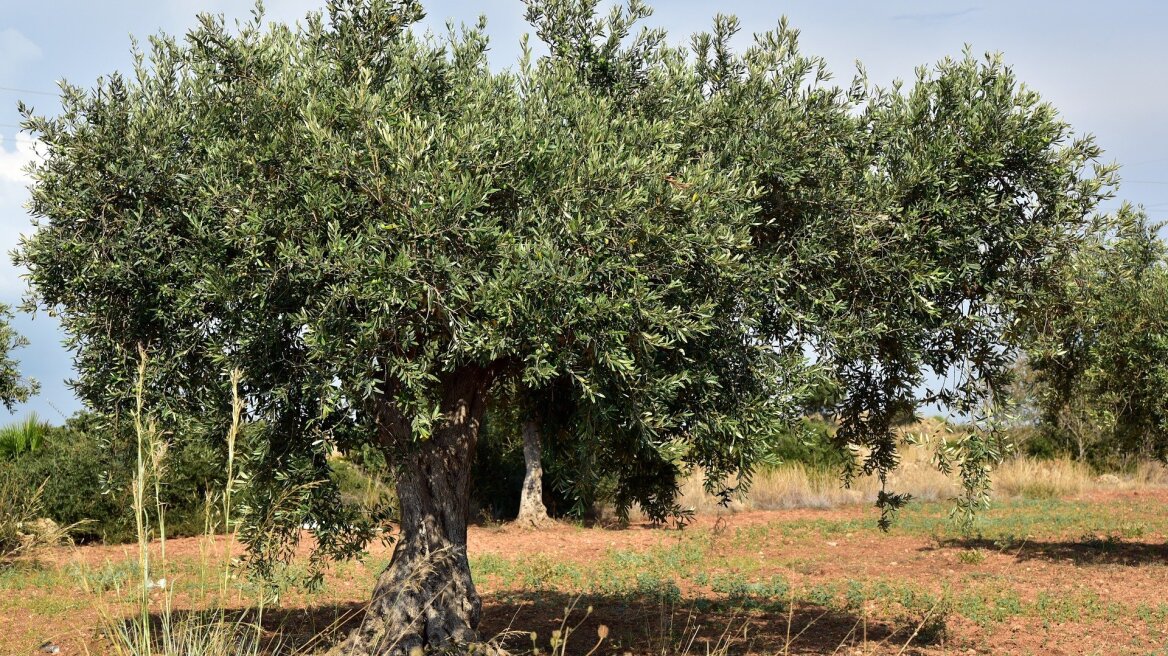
(14, 387)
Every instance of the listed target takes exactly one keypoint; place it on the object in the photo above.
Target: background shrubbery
(86, 471)
(810, 443)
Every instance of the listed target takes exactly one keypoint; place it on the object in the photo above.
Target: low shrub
(86, 473)
(23, 529)
(810, 443)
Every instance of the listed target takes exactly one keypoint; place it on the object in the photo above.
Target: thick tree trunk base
(424, 600)
(534, 522)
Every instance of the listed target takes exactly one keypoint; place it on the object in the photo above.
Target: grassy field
(1081, 574)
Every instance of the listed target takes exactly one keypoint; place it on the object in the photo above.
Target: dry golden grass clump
(24, 532)
(1041, 479)
(795, 485)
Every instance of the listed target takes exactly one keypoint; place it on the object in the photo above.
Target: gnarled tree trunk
(532, 512)
(425, 597)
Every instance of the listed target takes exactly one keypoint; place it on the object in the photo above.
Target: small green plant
(821, 595)
(747, 593)
(662, 589)
(971, 557)
(110, 576)
(1132, 531)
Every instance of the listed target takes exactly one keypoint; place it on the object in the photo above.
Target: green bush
(1038, 442)
(25, 436)
(86, 471)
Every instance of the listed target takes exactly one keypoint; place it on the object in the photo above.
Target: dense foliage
(86, 469)
(379, 231)
(1098, 367)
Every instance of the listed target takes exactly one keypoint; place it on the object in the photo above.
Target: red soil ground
(1127, 574)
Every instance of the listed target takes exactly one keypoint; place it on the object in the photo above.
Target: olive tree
(375, 228)
(974, 198)
(1098, 358)
(537, 411)
(378, 230)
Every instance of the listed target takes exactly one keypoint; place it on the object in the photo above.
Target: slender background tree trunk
(532, 512)
(425, 597)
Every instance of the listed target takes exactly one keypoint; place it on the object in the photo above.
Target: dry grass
(23, 532)
(794, 485)
(1041, 479)
(1150, 474)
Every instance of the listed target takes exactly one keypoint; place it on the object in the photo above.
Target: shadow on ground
(637, 626)
(1089, 550)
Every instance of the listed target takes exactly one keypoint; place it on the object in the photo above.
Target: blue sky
(1104, 65)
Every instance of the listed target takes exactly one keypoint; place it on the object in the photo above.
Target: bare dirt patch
(1078, 576)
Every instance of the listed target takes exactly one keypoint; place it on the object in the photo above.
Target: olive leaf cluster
(682, 241)
(14, 387)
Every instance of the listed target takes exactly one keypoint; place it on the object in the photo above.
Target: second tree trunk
(532, 512)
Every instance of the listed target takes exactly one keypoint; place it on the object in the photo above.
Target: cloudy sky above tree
(1099, 64)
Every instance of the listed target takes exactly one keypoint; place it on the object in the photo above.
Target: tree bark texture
(425, 597)
(532, 512)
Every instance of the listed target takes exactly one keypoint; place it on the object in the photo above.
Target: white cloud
(14, 219)
(16, 52)
(14, 161)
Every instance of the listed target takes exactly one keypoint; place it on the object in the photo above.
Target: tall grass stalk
(140, 637)
(215, 631)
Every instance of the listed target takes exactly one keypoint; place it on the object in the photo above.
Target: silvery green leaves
(977, 192)
(921, 228)
(689, 239)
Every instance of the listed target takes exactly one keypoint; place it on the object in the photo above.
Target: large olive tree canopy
(377, 229)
